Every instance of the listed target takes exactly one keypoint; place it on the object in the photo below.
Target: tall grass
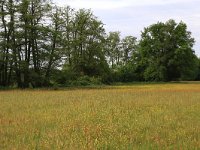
(165, 116)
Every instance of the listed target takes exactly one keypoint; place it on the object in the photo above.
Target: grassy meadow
(157, 116)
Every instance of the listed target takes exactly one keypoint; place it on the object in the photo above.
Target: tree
(198, 76)
(68, 34)
(113, 49)
(39, 41)
(21, 29)
(166, 51)
(88, 38)
(4, 44)
(129, 45)
(54, 36)
(125, 71)
(8, 52)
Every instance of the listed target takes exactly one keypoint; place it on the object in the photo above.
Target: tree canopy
(42, 44)
(166, 50)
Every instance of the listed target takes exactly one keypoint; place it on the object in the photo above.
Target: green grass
(157, 116)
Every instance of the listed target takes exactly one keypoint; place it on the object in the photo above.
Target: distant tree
(42, 44)
(166, 51)
(5, 37)
(113, 49)
(198, 76)
(54, 37)
(126, 72)
(129, 45)
(68, 35)
(87, 56)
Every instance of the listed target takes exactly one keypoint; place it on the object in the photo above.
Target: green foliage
(64, 77)
(166, 50)
(86, 81)
(45, 45)
(112, 49)
(198, 76)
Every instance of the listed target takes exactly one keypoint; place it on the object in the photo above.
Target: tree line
(42, 44)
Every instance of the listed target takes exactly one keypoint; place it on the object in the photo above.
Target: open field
(160, 116)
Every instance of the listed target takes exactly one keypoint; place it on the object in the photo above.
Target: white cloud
(114, 4)
(94, 4)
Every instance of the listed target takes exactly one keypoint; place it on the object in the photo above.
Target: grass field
(160, 116)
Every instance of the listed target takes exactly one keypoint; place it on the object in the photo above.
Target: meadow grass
(159, 116)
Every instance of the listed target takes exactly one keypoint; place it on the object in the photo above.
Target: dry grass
(165, 116)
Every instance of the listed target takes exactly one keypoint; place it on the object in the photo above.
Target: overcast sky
(131, 16)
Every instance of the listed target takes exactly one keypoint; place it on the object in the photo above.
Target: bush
(64, 77)
(86, 81)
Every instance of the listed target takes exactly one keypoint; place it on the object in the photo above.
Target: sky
(131, 16)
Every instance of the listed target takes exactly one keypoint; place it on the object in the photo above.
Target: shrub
(86, 81)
